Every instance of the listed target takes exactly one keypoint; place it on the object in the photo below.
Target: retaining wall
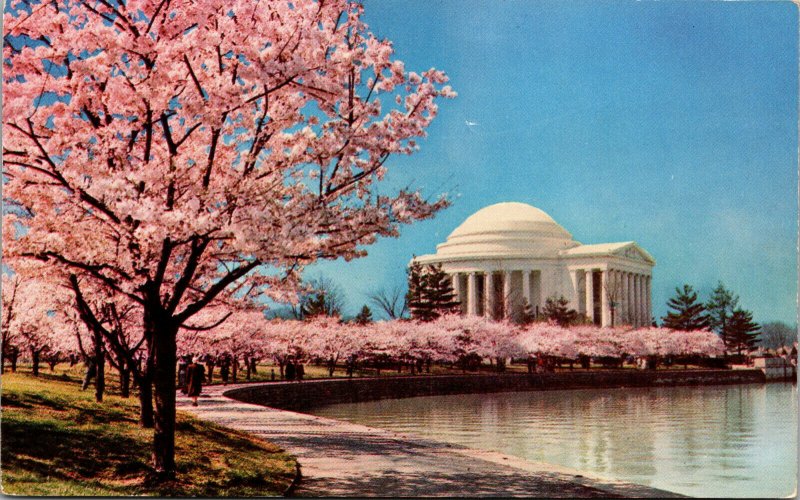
(314, 393)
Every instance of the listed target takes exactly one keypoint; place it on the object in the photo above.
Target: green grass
(312, 371)
(57, 441)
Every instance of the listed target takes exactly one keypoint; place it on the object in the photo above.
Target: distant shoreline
(306, 395)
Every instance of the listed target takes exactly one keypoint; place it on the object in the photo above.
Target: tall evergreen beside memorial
(430, 292)
(720, 307)
(741, 332)
(687, 313)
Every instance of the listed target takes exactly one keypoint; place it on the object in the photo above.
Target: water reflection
(700, 441)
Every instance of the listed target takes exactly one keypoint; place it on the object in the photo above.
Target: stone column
(457, 289)
(639, 315)
(575, 302)
(631, 299)
(605, 284)
(649, 298)
(508, 302)
(622, 314)
(634, 299)
(472, 294)
(589, 280)
(488, 293)
(643, 319)
(526, 286)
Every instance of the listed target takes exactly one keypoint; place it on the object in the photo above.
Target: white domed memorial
(509, 254)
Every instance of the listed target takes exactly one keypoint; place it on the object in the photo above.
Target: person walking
(290, 370)
(91, 372)
(183, 363)
(224, 369)
(195, 374)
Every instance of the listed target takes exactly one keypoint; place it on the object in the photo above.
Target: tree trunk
(100, 363)
(3, 358)
(144, 380)
(124, 379)
(35, 361)
(163, 334)
(146, 419)
(210, 364)
(234, 368)
(14, 358)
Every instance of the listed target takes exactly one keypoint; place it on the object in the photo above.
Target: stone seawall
(306, 395)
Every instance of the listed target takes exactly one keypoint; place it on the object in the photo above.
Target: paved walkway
(344, 459)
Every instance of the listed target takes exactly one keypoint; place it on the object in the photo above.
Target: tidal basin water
(711, 441)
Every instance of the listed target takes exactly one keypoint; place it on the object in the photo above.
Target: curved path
(344, 459)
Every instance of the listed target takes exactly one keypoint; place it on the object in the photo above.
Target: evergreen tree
(527, 315)
(741, 332)
(556, 309)
(439, 291)
(415, 299)
(316, 305)
(720, 307)
(687, 314)
(323, 299)
(430, 292)
(364, 316)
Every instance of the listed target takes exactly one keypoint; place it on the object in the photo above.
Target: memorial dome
(509, 229)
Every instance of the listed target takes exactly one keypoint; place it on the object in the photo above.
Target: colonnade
(606, 296)
(625, 296)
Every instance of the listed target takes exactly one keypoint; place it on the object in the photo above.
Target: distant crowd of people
(192, 372)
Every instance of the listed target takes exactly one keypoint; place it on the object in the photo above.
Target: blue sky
(673, 124)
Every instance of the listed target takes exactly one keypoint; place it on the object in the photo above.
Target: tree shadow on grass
(51, 450)
(210, 434)
(28, 400)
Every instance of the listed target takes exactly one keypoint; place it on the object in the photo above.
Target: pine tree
(316, 305)
(688, 314)
(415, 297)
(430, 292)
(324, 298)
(527, 315)
(741, 332)
(720, 307)
(364, 316)
(439, 291)
(556, 309)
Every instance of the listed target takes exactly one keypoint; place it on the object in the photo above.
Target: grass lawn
(265, 370)
(56, 440)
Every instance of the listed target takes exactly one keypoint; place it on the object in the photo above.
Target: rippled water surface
(719, 441)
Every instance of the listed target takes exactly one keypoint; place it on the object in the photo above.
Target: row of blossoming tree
(51, 329)
(448, 339)
(161, 157)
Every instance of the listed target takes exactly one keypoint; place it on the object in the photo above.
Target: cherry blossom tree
(36, 329)
(165, 150)
(10, 339)
(331, 340)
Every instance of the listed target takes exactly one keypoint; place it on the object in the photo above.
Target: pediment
(635, 252)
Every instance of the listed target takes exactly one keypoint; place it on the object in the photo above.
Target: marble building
(509, 254)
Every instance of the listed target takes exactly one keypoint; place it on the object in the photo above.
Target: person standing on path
(290, 370)
(224, 369)
(195, 374)
(183, 363)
